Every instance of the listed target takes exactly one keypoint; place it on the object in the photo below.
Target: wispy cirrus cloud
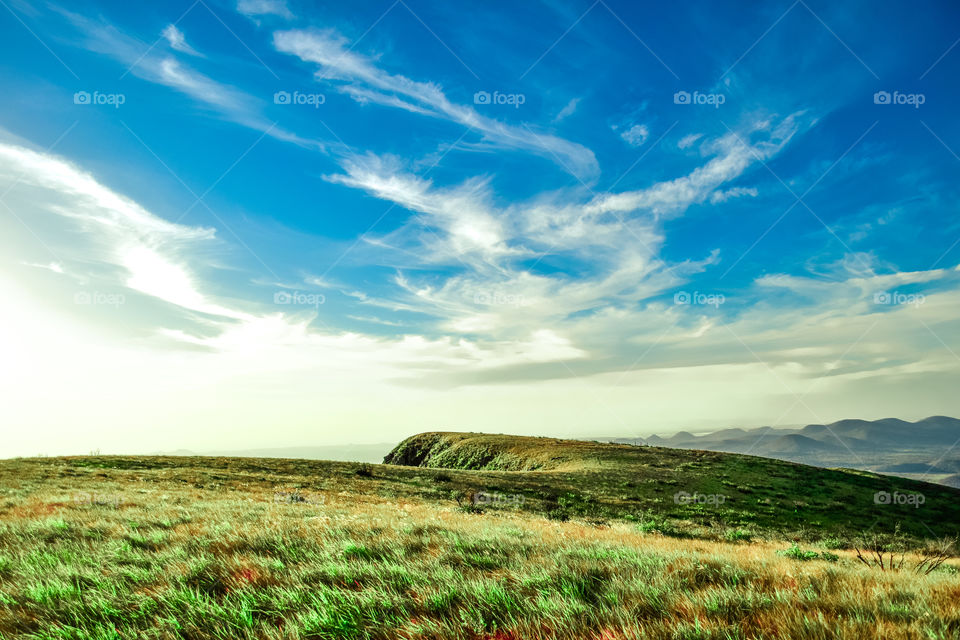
(363, 80)
(108, 241)
(732, 154)
(254, 8)
(178, 41)
(145, 62)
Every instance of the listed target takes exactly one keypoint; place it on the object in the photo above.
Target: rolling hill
(469, 537)
(701, 487)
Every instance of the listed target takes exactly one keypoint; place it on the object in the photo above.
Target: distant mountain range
(863, 435)
(927, 449)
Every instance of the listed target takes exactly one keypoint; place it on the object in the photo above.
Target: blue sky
(281, 223)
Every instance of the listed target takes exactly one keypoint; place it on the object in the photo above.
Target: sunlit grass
(209, 552)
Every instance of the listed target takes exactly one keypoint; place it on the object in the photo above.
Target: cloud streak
(364, 81)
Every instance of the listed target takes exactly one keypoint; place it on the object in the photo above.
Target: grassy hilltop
(575, 540)
(683, 488)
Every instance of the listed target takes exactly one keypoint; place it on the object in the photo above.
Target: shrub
(737, 535)
(663, 526)
(797, 553)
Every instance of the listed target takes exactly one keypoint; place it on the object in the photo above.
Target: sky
(264, 223)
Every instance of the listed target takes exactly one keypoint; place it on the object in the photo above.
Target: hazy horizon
(229, 226)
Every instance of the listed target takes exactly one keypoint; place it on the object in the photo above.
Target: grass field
(587, 547)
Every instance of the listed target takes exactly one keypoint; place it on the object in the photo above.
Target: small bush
(469, 507)
(835, 543)
(663, 526)
(738, 535)
(797, 553)
(559, 514)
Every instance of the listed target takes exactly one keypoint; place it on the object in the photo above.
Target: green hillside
(588, 545)
(687, 490)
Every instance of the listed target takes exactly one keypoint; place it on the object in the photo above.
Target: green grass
(590, 545)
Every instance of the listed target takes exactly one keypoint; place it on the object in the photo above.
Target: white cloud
(55, 267)
(732, 156)
(688, 141)
(153, 257)
(599, 341)
(367, 82)
(636, 135)
(470, 228)
(719, 196)
(228, 101)
(252, 8)
(568, 110)
(177, 40)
